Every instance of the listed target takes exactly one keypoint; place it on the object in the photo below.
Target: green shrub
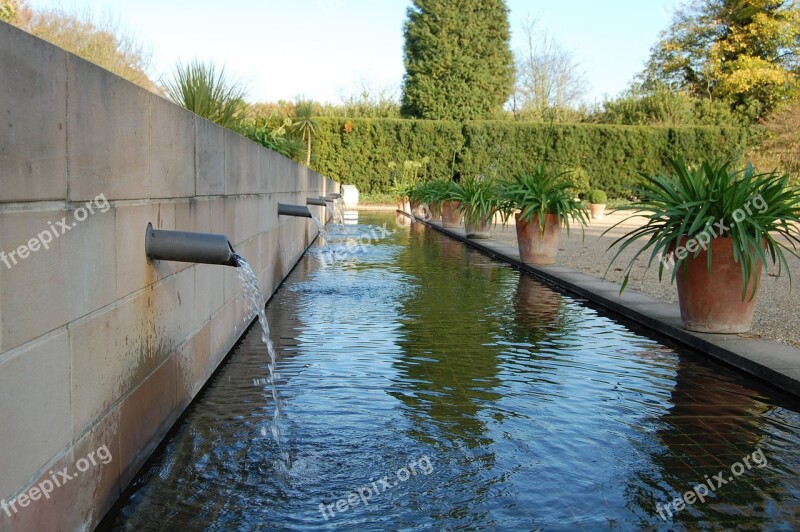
(596, 196)
(579, 179)
(209, 92)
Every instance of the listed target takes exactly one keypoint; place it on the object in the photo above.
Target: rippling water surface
(426, 386)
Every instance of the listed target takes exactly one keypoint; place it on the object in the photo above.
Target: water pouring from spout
(252, 292)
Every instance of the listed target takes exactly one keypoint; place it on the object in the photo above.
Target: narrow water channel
(426, 386)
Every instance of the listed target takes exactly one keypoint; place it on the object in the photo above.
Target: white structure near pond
(350, 195)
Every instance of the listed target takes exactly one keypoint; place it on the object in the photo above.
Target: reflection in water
(714, 421)
(538, 310)
(535, 411)
(448, 372)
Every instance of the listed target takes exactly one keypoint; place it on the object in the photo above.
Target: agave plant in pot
(444, 197)
(419, 197)
(428, 195)
(715, 227)
(545, 203)
(478, 202)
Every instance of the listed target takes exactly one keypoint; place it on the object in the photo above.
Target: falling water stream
(255, 297)
(252, 292)
(321, 228)
(338, 207)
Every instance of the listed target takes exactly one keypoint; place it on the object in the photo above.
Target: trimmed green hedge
(361, 156)
(358, 151)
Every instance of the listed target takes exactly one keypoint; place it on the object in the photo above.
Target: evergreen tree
(743, 52)
(459, 65)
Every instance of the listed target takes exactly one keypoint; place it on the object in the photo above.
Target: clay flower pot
(479, 230)
(451, 217)
(597, 210)
(535, 248)
(712, 302)
(403, 205)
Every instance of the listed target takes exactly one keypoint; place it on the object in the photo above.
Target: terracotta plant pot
(535, 248)
(403, 205)
(479, 230)
(450, 216)
(712, 302)
(597, 210)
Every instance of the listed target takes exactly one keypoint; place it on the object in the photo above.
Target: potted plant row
(432, 196)
(541, 200)
(715, 227)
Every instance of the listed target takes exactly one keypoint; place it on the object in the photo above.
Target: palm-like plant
(434, 193)
(208, 92)
(539, 193)
(304, 124)
(479, 200)
(692, 202)
(442, 190)
(421, 193)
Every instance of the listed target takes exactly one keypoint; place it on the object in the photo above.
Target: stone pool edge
(771, 361)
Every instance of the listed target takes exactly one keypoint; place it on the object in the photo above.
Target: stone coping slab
(771, 361)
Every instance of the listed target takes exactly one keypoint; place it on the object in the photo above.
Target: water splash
(252, 292)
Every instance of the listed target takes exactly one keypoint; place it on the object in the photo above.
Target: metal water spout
(293, 210)
(316, 201)
(181, 246)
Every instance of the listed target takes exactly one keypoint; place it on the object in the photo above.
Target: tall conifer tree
(458, 61)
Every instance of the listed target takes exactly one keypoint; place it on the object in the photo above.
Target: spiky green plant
(479, 200)
(433, 193)
(542, 192)
(209, 92)
(421, 193)
(691, 202)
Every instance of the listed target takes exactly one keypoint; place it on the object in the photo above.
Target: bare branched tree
(550, 81)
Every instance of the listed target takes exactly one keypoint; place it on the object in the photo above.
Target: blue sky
(323, 49)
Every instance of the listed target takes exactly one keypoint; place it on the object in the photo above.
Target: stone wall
(100, 350)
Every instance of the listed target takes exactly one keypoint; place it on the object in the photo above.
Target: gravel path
(777, 314)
